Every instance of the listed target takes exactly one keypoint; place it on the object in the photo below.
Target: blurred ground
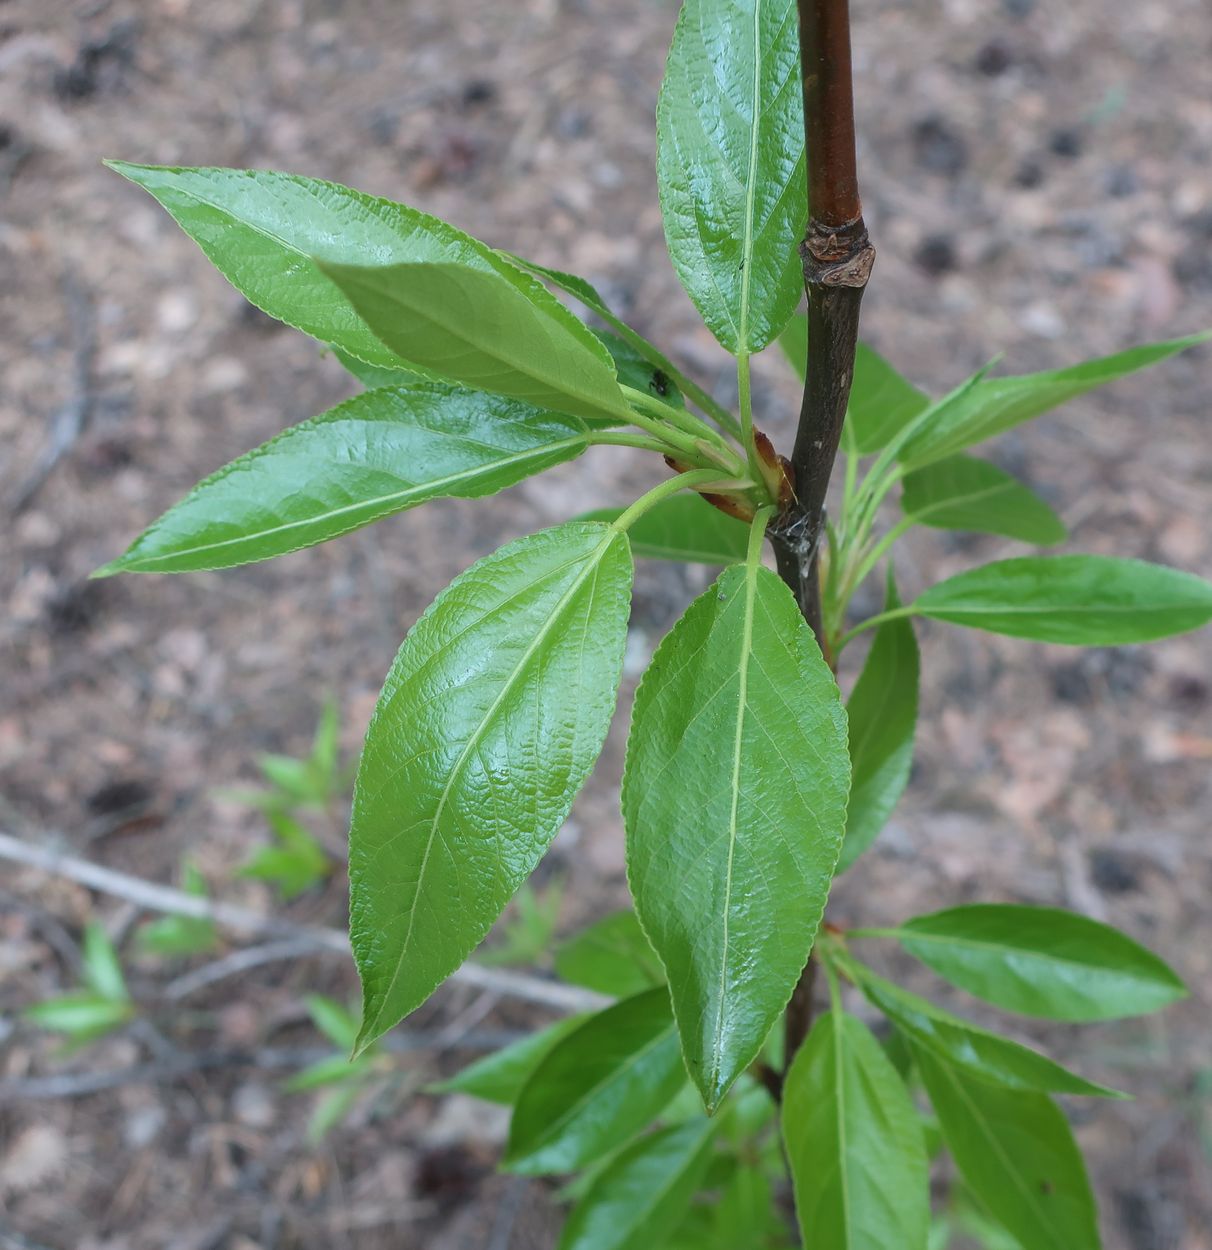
(1038, 180)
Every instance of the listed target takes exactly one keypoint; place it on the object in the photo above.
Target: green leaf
(1041, 961)
(1090, 601)
(336, 1022)
(963, 493)
(882, 716)
(611, 956)
(378, 453)
(268, 234)
(746, 1214)
(730, 165)
(854, 1143)
(794, 343)
(83, 1016)
(634, 369)
(293, 871)
(330, 1110)
(1015, 1151)
(180, 935)
(734, 800)
(527, 928)
(100, 964)
(501, 1076)
(882, 402)
(597, 1087)
(488, 724)
(994, 405)
(640, 1197)
(686, 528)
(492, 330)
(975, 1050)
(336, 1070)
(374, 376)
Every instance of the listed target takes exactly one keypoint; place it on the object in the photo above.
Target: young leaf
(994, 405)
(100, 964)
(1042, 962)
(686, 528)
(267, 232)
(597, 1087)
(83, 1016)
(487, 330)
(336, 1022)
(489, 722)
(963, 493)
(882, 716)
(1015, 1151)
(974, 1050)
(730, 165)
(335, 1070)
(501, 1076)
(640, 1197)
(612, 956)
(331, 1109)
(854, 1143)
(378, 453)
(1085, 601)
(180, 935)
(734, 799)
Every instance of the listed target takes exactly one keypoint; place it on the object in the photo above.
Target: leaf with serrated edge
(964, 493)
(488, 724)
(1081, 601)
(734, 800)
(266, 232)
(1017, 1154)
(488, 332)
(730, 165)
(1041, 961)
(882, 715)
(977, 1051)
(597, 1087)
(683, 528)
(854, 1143)
(376, 454)
(641, 1195)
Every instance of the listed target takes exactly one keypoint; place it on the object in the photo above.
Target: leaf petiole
(872, 621)
(696, 479)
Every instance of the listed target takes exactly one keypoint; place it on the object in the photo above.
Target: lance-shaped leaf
(963, 493)
(1017, 1154)
(597, 1087)
(490, 720)
(684, 527)
(487, 329)
(1085, 601)
(730, 165)
(994, 405)
(734, 799)
(882, 717)
(374, 376)
(501, 1076)
(974, 1050)
(267, 233)
(1042, 961)
(640, 1197)
(381, 452)
(854, 1143)
(612, 956)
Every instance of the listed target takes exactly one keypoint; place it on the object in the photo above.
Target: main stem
(837, 262)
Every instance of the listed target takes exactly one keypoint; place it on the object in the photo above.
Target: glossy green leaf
(963, 493)
(994, 405)
(611, 956)
(492, 330)
(684, 528)
(597, 1087)
(374, 376)
(100, 964)
(854, 1143)
(488, 724)
(1041, 961)
(642, 1195)
(501, 1076)
(734, 800)
(268, 233)
(882, 717)
(974, 1050)
(1085, 601)
(376, 454)
(1017, 1154)
(83, 1015)
(634, 369)
(730, 165)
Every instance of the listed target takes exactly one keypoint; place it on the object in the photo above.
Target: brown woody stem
(837, 262)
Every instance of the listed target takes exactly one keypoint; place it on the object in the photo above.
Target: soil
(1037, 180)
